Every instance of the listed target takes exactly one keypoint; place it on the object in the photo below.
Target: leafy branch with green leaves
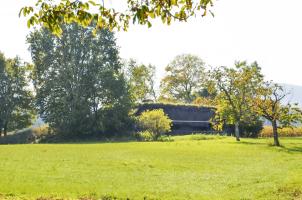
(52, 14)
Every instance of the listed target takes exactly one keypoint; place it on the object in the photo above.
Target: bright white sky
(269, 32)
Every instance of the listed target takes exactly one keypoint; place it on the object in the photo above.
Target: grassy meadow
(190, 167)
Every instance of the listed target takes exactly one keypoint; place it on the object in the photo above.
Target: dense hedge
(284, 132)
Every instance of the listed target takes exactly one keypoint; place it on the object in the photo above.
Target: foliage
(268, 103)
(251, 128)
(184, 78)
(141, 79)
(27, 135)
(235, 89)
(155, 121)
(183, 169)
(16, 109)
(165, 138)
(204, 101)
(267, 131)
(24, 136)
(248, 129)
(41, 131)
(52, 14)
(148, 136)
(144, 136)
(78, 80)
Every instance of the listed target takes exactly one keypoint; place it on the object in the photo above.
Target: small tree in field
(156, 122)
(268, 104)
(235, 88)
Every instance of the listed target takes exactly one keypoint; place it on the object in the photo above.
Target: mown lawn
(203, 168)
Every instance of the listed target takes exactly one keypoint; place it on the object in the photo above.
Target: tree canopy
(235, 88)
(268, 103)
(184, 78)
(52, 14)
(141, 80)
(79, 85)
(16, 107)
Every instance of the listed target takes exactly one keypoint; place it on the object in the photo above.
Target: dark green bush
(250, 129)
(24, 136)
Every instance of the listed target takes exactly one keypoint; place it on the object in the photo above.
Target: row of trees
(240, 94)
(79, 85)
(76, 84)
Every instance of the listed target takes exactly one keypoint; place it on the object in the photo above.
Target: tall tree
(141, 79)
(16, 110)
(269, 104)
(235, 89)
(184, 78)
(78, 80)
(52, 13)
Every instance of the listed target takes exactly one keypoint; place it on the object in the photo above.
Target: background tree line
(16, 98)
(79, 85)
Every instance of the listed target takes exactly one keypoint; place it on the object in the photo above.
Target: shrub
(284, 132)
(41, 131)
(23, 136)
(249, 129)
(165, 138)
(155, 121)
(144, 136)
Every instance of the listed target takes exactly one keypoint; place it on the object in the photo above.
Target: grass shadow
(26, 137)
(288, 147)
(295, 149)
(251, 143)
(95, 140)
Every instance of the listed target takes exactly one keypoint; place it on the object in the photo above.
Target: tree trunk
(237, 132)
(5, 129)
(1, 128)
(275, 133)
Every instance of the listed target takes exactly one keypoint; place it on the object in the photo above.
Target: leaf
(152, 15)
(20, 12)
(149, 24)
(174, 2)
(92, 3)
(28, 23)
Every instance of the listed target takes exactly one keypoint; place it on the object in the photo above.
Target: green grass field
(187, 168)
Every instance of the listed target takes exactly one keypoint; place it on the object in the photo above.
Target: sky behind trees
(266, 31)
